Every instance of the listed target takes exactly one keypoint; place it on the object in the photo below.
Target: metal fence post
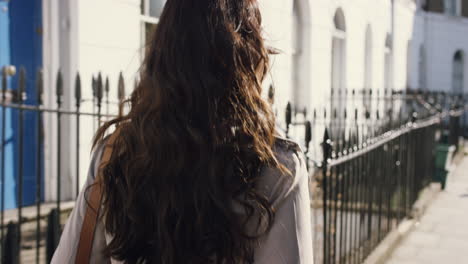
(326, 148)
(77, 105)
(121, 93)
(307, 139)
(99, 97)
(53, 233)
(39, 136)
(288, 117)
(21, 97)
(271, 94)
(2, 162)
(59, 94)
(11, 251)
(107, 90)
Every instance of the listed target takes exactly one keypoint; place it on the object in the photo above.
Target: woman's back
(288, 241)
(196, 174)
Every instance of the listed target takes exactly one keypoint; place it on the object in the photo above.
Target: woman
(197, 172)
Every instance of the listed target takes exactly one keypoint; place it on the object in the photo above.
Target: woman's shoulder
(278, 184)
(285, 145)
(96, 156)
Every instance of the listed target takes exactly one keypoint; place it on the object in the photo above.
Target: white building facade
(325, 46)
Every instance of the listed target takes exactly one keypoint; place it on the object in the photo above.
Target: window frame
(458, 70)
(145, 20)
(456, 5)
(338, 74)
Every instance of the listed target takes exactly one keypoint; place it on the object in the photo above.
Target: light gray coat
(288, 242)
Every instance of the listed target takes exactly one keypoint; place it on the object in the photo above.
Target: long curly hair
(181, 185)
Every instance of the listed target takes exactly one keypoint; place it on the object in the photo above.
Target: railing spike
(346, 144)
(308, 134)
(94, 86)
(4, 83)
(39, 86)
(78, 89)
(59, 88)
(99, 89)
(349, 144)
(288, 117)
(414, 116)
(22, 85)
(121, 88)
(367, 114)
(326, 145)
(106, 90)
(271, 94)
(107, 87)
(358, 138)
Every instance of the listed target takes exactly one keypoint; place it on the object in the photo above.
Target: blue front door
(4, 33)
(7, 168)
(20, 47)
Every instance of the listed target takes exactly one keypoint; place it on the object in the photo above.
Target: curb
(385, 249)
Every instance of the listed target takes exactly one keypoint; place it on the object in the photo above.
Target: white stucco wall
(445, 36)
(88, 37)
(405, 30)
(110, 41)
(316, 31)
(106, 36)
(278, 24)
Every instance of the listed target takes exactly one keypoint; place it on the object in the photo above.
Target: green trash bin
(444, 154)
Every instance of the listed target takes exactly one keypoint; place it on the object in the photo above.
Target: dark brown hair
(181, 185)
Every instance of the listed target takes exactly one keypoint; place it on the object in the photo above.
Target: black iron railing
(362, 158)
(371, 168)
(369, 186)
(31, 224)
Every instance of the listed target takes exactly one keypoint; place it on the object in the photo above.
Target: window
(422, 68)
(152, 8)
(150, 12)
(452, 7)
(338, 64)
(388, 63)
(368, 71)
(458, 72)
(408, 65)
(388, 72)
(297, 52)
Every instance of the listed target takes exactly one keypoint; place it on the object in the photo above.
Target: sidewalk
(442, 234)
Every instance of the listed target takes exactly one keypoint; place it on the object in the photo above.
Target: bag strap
(85, 244)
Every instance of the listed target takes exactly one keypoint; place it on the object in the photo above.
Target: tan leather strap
(85, 244)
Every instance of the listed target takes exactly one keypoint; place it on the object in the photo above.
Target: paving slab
(441, 236)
